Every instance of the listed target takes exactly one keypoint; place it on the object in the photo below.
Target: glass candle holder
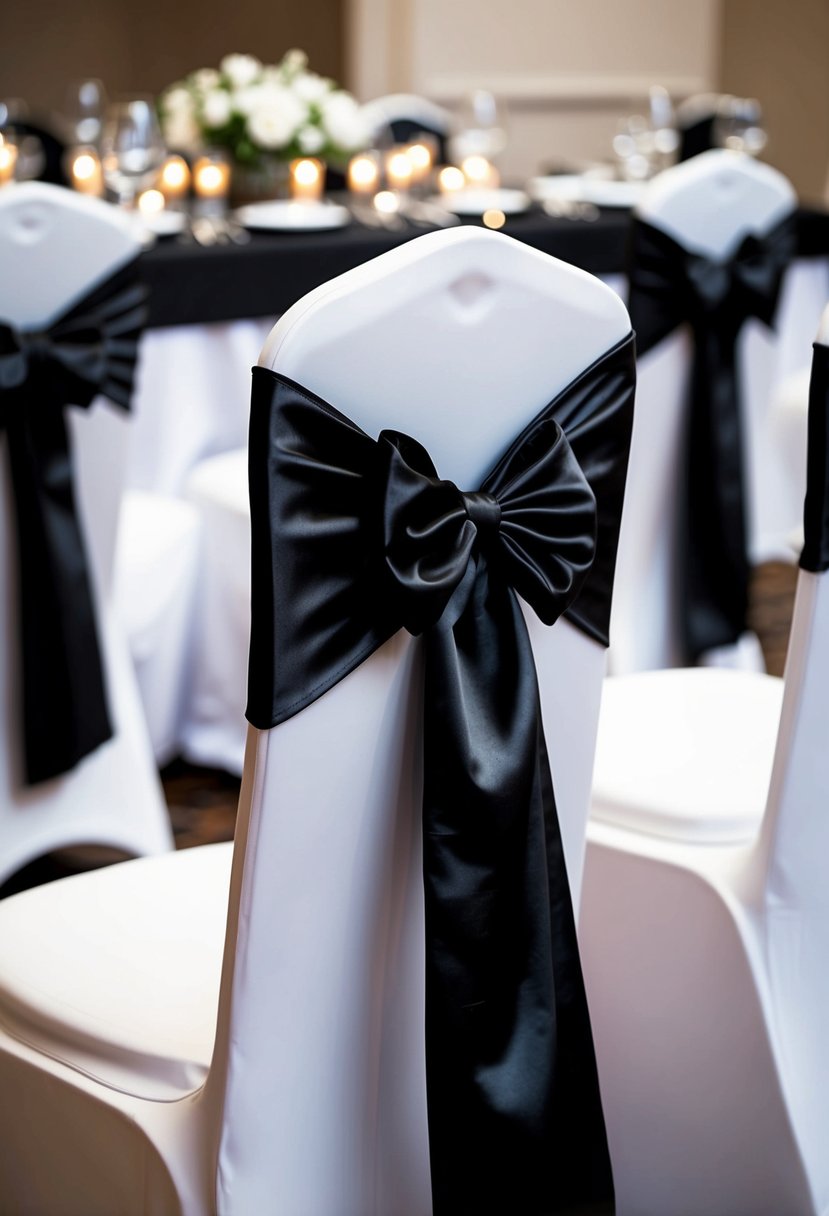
(422, 154)
(174, 180)
(307, 179)
(211, 181)
(364, 173)
(8, 160)
(398, 170)
(480, 173)
(85, 171)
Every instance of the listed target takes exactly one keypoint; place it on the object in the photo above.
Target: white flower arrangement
(259, 112)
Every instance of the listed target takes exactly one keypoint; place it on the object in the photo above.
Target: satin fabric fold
(670, 286)
(815, 555)
(91, 349)
(354, 538)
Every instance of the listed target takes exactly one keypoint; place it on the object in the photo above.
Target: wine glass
(481, 128)
(86, 104)
(132, 148)
(739, 125)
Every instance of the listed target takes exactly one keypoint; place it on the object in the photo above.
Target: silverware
(570, 209)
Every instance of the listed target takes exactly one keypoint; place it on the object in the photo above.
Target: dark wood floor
(202, 802)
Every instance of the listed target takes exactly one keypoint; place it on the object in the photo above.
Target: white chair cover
(314, 1101)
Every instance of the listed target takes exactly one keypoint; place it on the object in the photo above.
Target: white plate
(163, 223)
(575, 188)
(476, 202)
(286, 215)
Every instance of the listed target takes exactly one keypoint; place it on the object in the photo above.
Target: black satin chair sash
(92, 349)
(354, 538)
(670, 286)
(815, 555)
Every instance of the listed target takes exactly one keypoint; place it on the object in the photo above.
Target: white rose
(274, 123)
(310, 87)
(294, 61)
(178, 100)
(245, 101)
(310, 140)
(206, 79)
(181, 131)
(241, 70)
(343, 119)
(216, 108)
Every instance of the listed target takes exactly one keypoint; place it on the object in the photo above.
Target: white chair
(405, 115)
(54, 247)
(708, 204)
(312, 1099)
(705, 927)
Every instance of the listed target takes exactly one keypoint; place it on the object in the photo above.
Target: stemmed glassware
(86, 105)
(739, 125)
(481, 128)
(132, 148)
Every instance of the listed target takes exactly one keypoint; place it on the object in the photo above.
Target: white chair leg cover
(155, 586)
(214, 728)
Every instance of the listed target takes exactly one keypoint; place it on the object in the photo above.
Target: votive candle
(86, 173)
(307, 179)
(174, 179)
(364, 173)
(8, 160)
(211, 176)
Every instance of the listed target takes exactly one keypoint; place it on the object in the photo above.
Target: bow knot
(746, 285)
(538, 525)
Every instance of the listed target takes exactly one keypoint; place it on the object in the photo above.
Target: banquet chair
(312, 1097)
(54, 248)
(705, 915)
(406, 115)
(707, 207)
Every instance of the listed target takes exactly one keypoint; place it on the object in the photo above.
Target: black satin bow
(90, 350)
(353, 538)
(815, 555)
(669, 286)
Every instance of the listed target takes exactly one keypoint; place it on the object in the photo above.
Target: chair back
(789, 864)
(55, 246)
(708, 205)
(458, 339)
(406, 115)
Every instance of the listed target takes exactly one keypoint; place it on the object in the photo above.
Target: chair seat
(116, 973)
(686, 754)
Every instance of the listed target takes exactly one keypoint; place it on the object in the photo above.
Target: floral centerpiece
(263, 115)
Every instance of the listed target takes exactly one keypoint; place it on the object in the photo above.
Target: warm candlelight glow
(307, 179)
(364, 173)
(211, 176)
(451, 179)
(151, 202)
(387, 202)
(8, 160)
(493, 218)
(398, 170)
(174, 179)
(86, 173)
(478, 171)
(421, 156)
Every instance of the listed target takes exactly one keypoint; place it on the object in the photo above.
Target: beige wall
(568, 69)
(143, 45)
(779, 52)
